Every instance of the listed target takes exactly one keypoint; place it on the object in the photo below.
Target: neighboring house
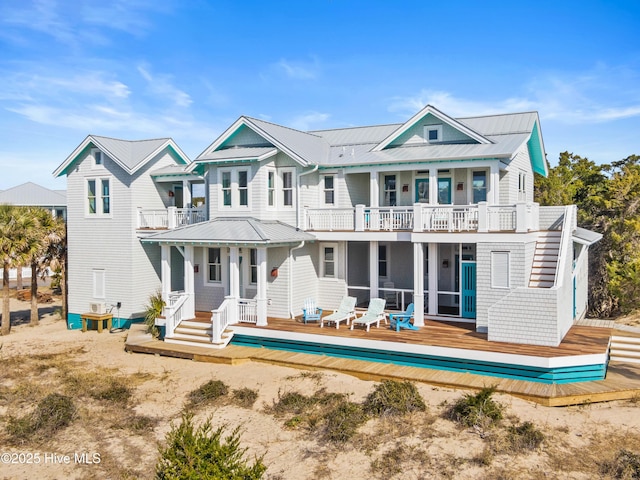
(30, 194)
(436, 211)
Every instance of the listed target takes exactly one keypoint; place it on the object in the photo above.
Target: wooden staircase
(624, 349)
(545, 259)
(197, 333)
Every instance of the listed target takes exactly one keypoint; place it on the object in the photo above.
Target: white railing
(173, 311)
(449, 218)
(220, 319)
(501, 217)
(247, 311)
(171, 217)
(330, 219)
(388, 218)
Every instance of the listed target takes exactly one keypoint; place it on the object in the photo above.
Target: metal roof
(586, 237)
(233, 231)
(239, 154)
(502, 124)
(356, 135)
(33, 195)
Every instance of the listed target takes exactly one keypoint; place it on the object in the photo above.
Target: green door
(444, 191)
(468, 290)
(422, 190)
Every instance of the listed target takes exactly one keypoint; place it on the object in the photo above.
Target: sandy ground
(434, 447)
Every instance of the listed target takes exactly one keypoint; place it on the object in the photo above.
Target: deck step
(624, 349)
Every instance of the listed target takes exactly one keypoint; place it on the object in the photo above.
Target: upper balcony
(521, 217)
(168, 218)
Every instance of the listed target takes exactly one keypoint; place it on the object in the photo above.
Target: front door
(422, 190)
(468, 290)
(444, 191)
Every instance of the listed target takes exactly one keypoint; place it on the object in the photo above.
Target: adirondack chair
(345, 312)
(374, 314)
(402, 319)
(310, 311)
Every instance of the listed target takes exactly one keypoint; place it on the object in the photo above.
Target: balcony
(521, 217)
(169, 218)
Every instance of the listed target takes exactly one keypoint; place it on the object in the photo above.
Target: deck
(622, 380)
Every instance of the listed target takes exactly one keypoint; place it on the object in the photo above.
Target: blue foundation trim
(74, 322)
(572, 374)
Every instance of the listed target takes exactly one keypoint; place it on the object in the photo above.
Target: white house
(436, 211)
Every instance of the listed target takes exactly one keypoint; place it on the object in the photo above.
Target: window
(91, 195)
(499, 269)
(479, 187)
(253, 266)
(328, 261)
(105, 196)
(382, 261)
(99, 288)
(287, 188)
(390, 193)
(99, 196)
(329, 194)
(522, 186)
(271, 188)
(243, 187)
(226, 189)
(432, 133)
(98, 158)
(215, 265)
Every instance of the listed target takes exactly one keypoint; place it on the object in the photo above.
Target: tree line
(608, 201)
(31, 237)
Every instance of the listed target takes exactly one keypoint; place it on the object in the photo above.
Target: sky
(187, 69)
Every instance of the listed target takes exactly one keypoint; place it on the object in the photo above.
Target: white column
(186, 193)
(433, 186)
(373, 269)
(433, 278)
(418, 284)
(374, 190)
(494, 185)
(234, 272)
(189, 282)
(165, 271)
(261, 297)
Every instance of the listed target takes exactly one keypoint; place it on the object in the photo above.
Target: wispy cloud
(308, 120)
(162, 86)
(299, 70)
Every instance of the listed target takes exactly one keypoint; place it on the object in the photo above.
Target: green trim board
(558, 375)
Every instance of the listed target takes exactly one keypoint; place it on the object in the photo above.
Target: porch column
(418, 284)
(494, 185)
(165, 271)
(433, 186)
(234, 272)
(186, 193)
(189, 283)
(261, 297)
(374, 190)
(433, 278)
(373, 269)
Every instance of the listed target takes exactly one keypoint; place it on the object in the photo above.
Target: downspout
(291, 315)
(314, 169)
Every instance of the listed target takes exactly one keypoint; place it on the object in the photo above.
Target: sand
(577, 439)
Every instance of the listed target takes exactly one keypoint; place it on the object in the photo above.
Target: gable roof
(233, 231)
(131, 155)
(33, 195)
(430, 110)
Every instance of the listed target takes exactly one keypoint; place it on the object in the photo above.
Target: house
(436, 211)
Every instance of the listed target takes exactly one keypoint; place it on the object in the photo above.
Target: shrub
(626, 465)
(207, 392)
(524, 436)
(245, 397)
(203, 453)
(53, 413)
(153, 309)
(479, 410)
(394, 398)
(342, 422)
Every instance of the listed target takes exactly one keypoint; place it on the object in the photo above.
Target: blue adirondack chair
(310, 311)
(402, 319)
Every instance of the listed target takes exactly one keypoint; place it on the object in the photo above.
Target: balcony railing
(521, 217)
(168, 218)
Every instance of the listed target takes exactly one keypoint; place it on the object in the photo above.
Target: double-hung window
(253, 266)
(390, 193)
(91, 196)
(226, 189)
(99, 196)
(234, 187)
(383, 260)
(215, 265)
(522, 186)
(105, 196)
(243, 187)
(329, 192)
(329, 255)
(287, 188)
(271, 188)
(479, 186)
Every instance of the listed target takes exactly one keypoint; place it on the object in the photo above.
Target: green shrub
(524, 436)
(479, 410)
(153, 309)
(391, 398)
(293, 403)
(245, 397)
(203, 453)
(626, 465)
(342, 422)
(207, 392)
(53, 413)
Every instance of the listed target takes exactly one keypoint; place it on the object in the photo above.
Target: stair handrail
(173, 312)
(220, 319)
(565, 238)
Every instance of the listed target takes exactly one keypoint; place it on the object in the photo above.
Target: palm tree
(14, 223)
(56, 256)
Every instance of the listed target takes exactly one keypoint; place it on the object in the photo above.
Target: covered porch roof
(233, 231)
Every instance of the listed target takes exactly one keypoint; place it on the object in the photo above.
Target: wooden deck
(622, 380)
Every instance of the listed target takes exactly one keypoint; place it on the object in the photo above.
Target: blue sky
(187, 69)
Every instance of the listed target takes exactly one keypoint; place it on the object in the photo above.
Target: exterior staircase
(545, 259)
(197, 333)
(624, 349)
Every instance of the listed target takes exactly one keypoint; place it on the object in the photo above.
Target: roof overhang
(586, 237)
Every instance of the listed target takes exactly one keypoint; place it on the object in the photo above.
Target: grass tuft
(207, 393)
(524, 436)
(245, 397)
(478, 411)
(53, 413)
(392, 398)
(626, 465)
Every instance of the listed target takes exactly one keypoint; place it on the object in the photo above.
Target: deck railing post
(171, 217)
(483, 220)
(418, 224)
(521, 217)
(359, 220)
